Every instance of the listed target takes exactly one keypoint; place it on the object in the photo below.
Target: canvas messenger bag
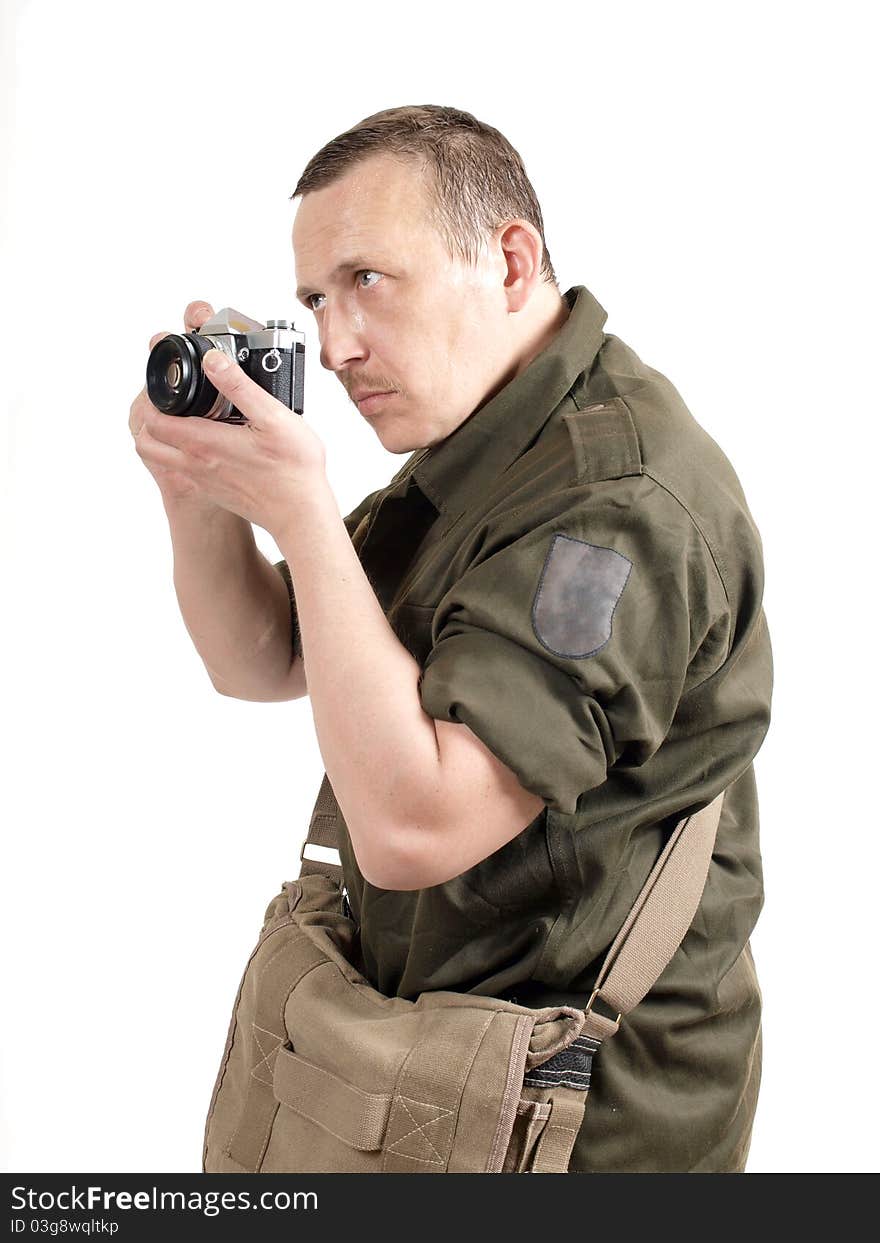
(322, 1073)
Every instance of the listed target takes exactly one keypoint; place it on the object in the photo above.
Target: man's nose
(342, 340)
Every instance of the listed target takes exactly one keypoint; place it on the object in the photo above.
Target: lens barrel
(176, 381)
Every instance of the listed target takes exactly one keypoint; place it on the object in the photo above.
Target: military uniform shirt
(577, 573)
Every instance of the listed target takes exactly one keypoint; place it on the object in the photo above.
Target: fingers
(136, 413)
(154, 453)
(258, 407)
(196, 314)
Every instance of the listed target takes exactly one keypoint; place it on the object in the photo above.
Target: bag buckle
(311, 852)
(595, 993)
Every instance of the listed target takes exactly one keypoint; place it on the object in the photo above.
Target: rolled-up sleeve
(565, 648)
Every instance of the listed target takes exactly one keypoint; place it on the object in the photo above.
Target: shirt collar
(457, 470)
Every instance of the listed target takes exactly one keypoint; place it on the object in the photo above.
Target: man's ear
(523, 252)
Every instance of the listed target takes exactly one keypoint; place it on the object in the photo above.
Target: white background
(706, 171)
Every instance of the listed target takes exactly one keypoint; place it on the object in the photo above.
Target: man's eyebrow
(347, 265)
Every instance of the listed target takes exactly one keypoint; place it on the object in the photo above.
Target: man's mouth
(368, 402)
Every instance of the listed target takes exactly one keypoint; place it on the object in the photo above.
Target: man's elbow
(401, 861)
(231, 692)
(293, 687)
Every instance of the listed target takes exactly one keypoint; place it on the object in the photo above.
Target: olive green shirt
(577, 572)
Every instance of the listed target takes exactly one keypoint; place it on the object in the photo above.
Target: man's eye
(365, 272)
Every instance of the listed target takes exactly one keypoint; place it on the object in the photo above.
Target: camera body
(273, 355)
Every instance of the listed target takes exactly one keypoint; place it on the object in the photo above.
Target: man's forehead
(376, 206)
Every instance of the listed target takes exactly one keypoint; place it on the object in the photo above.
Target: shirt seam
(559, 855)
(715, 555)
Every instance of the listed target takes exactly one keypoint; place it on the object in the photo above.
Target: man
(530, 654)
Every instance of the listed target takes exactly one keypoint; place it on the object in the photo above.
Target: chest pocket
(412, 625)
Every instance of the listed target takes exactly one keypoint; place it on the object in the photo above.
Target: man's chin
(395, 442)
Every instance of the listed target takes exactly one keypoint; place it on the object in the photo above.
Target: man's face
(400, 314)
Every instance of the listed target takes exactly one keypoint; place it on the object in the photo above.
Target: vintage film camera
(273, 356)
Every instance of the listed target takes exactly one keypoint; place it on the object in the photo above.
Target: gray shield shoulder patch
(580, 586)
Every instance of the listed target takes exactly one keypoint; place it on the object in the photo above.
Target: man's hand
(260, 470)
(173, 485)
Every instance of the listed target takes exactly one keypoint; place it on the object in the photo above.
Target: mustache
(361, 384)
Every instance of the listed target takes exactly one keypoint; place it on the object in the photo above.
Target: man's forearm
(378, 745)
(234, 604)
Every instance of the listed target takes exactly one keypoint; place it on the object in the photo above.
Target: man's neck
(550, 315)
(545, 320)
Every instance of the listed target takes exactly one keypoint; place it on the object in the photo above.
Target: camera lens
(176, 383)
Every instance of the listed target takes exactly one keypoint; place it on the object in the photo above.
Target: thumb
(244, 393)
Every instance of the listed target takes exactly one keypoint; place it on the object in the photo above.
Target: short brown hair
(478, 180)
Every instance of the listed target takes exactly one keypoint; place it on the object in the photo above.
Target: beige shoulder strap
(658, 921)
(320, 850)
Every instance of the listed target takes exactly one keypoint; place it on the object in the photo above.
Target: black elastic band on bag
(568, 1069)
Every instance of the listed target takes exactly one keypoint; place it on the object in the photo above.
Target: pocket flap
(357, 1118)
